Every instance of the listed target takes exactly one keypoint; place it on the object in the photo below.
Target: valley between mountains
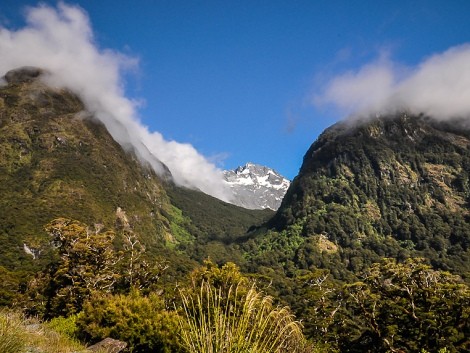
(366, 250)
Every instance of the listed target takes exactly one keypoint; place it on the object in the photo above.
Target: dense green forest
(93, 291)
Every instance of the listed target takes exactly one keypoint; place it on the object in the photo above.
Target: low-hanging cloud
(60, 40)
(438, 87)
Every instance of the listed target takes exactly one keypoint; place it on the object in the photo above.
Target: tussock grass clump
(238, 321)
(11, 333)
(19, 334)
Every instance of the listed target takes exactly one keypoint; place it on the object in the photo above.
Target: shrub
(65, 325)
(141, 321)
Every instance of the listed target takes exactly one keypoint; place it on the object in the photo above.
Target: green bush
(141, 321)
(65, 325)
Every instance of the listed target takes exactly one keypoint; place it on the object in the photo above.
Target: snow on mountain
(256, 187)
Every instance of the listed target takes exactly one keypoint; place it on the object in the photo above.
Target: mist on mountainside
(61, 41)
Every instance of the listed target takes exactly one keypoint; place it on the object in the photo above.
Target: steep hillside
(56, 161)
(389, 187)
(214, 227)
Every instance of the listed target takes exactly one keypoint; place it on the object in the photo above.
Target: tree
(86, 264)
(407, 307)
(136, 271)
(319, 302)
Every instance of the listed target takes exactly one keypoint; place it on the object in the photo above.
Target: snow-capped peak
(256, 187)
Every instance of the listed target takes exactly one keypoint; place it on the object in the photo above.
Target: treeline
(103, 283)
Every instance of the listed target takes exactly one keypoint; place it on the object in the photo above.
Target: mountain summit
(57, 160)
(256, 187)
(395, 186)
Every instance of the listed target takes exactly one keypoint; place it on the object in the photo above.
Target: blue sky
(237, 79)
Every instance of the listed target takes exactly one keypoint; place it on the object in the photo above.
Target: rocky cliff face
(257, 187)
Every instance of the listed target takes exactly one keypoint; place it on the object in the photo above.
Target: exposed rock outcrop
(23, 74)
(109, 345)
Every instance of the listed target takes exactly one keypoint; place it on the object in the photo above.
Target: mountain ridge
(395, 186)
(256, 187)
(56, 160)
(55, 153)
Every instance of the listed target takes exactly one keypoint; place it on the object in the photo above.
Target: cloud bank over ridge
(61, 41)
(439, 87)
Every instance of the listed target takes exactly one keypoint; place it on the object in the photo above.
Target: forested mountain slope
(395, 186)
(94, 239)
(57, 161)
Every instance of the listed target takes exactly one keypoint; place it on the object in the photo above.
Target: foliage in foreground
(395, 307)
(141, 321)
(11, 334)
(236, 318)
(217, 311)
(88, 262)
(409, 306)
(18, 335)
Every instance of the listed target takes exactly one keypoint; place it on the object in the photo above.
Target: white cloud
(368, 88)
(61, 41)
(439, 87)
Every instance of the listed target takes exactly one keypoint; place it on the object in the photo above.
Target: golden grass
(214, 322)
(18, 334)
(11, 334)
